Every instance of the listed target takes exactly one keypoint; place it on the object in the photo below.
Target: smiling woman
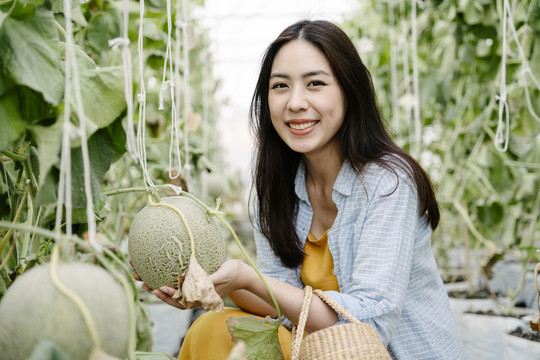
(340, 208)
(306, 102)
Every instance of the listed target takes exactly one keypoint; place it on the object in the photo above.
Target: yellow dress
(208, 338)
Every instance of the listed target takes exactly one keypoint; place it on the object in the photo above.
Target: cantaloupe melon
(159, 245)
(33, 308)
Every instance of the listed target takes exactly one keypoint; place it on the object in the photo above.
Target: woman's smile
(301, 127)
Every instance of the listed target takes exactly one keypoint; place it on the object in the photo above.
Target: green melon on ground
(33, 308)
(159, 245)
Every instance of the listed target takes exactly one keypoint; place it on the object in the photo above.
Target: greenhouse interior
(175, 118)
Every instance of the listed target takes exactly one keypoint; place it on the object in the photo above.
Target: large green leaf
(12, 124)
(48, 140)
(260, 336)
(102, 27)
(30, 56)
(102, 153)
(103, 97)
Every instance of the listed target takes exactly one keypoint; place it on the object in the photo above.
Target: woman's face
(307, 105)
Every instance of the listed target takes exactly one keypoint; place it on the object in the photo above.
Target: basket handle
(298, 331)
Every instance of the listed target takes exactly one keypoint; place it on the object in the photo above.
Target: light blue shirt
(383, 262)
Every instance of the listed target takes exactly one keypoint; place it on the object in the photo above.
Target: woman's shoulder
(389, 171)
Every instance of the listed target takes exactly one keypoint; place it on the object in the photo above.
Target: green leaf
(30, 56)
(103, 97)
(49, 141)
(102, 27)
(102, 154)
(11, 121)
(58, 5)
(260, 336)
(32, 105)
(35, 3)
(139, 355)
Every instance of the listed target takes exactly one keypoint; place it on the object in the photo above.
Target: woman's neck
(322, 171)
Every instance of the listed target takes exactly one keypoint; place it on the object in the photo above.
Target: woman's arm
(241, 283)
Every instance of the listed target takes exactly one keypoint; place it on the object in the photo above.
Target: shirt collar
(343, 185)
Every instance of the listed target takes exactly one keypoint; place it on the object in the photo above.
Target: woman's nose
(297, 100)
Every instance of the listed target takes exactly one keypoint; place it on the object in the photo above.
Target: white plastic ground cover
(483, 335)
(519, 348)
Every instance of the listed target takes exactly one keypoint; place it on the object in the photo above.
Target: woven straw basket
(355, 340)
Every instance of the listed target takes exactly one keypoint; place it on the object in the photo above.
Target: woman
(340, 208)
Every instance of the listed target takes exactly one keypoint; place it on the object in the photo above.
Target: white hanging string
(177, 78)
(141, 98)
(526, 69)
(169, 84)
(187, 91)
(72, 73)
(393, 68)
(404, 46)
(416, 108)
(503, 126)
(128, 80)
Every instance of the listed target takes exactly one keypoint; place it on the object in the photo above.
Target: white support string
(404, 45)
(169, 85)
(72, 73)
(187, 91)
(141, 98)
(177, 78)
(128, 80)
(393, 68)
(502, 134)
(416, 108)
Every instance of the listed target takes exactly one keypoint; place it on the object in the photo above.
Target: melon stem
(152, 203)
(244, 252)
(79, 303)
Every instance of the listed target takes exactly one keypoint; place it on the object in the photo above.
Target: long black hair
(363, 138)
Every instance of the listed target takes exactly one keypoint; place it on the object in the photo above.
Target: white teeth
(302, 126)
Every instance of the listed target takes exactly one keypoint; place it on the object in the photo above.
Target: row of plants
(32, 82)
(449, 74)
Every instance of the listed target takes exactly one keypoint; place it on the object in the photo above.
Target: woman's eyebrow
(305, 75)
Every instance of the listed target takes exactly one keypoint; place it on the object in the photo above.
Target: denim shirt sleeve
(269, 264)
(376, 255)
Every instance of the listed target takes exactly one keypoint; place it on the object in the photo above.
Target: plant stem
(61, 29)
(233, 233)
(15, 220)
(12, 155)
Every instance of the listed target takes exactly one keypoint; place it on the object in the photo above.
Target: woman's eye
(279, 86)
(316, 83)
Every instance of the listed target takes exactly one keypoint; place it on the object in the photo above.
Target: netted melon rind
(157, 231)
(33, 307)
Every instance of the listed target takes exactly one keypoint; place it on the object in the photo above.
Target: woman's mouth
(301, 125)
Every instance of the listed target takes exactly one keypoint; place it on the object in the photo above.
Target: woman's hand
(232, 275)
(165, 293)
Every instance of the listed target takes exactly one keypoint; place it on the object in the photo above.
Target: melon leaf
(260, 336)
(142, 355)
